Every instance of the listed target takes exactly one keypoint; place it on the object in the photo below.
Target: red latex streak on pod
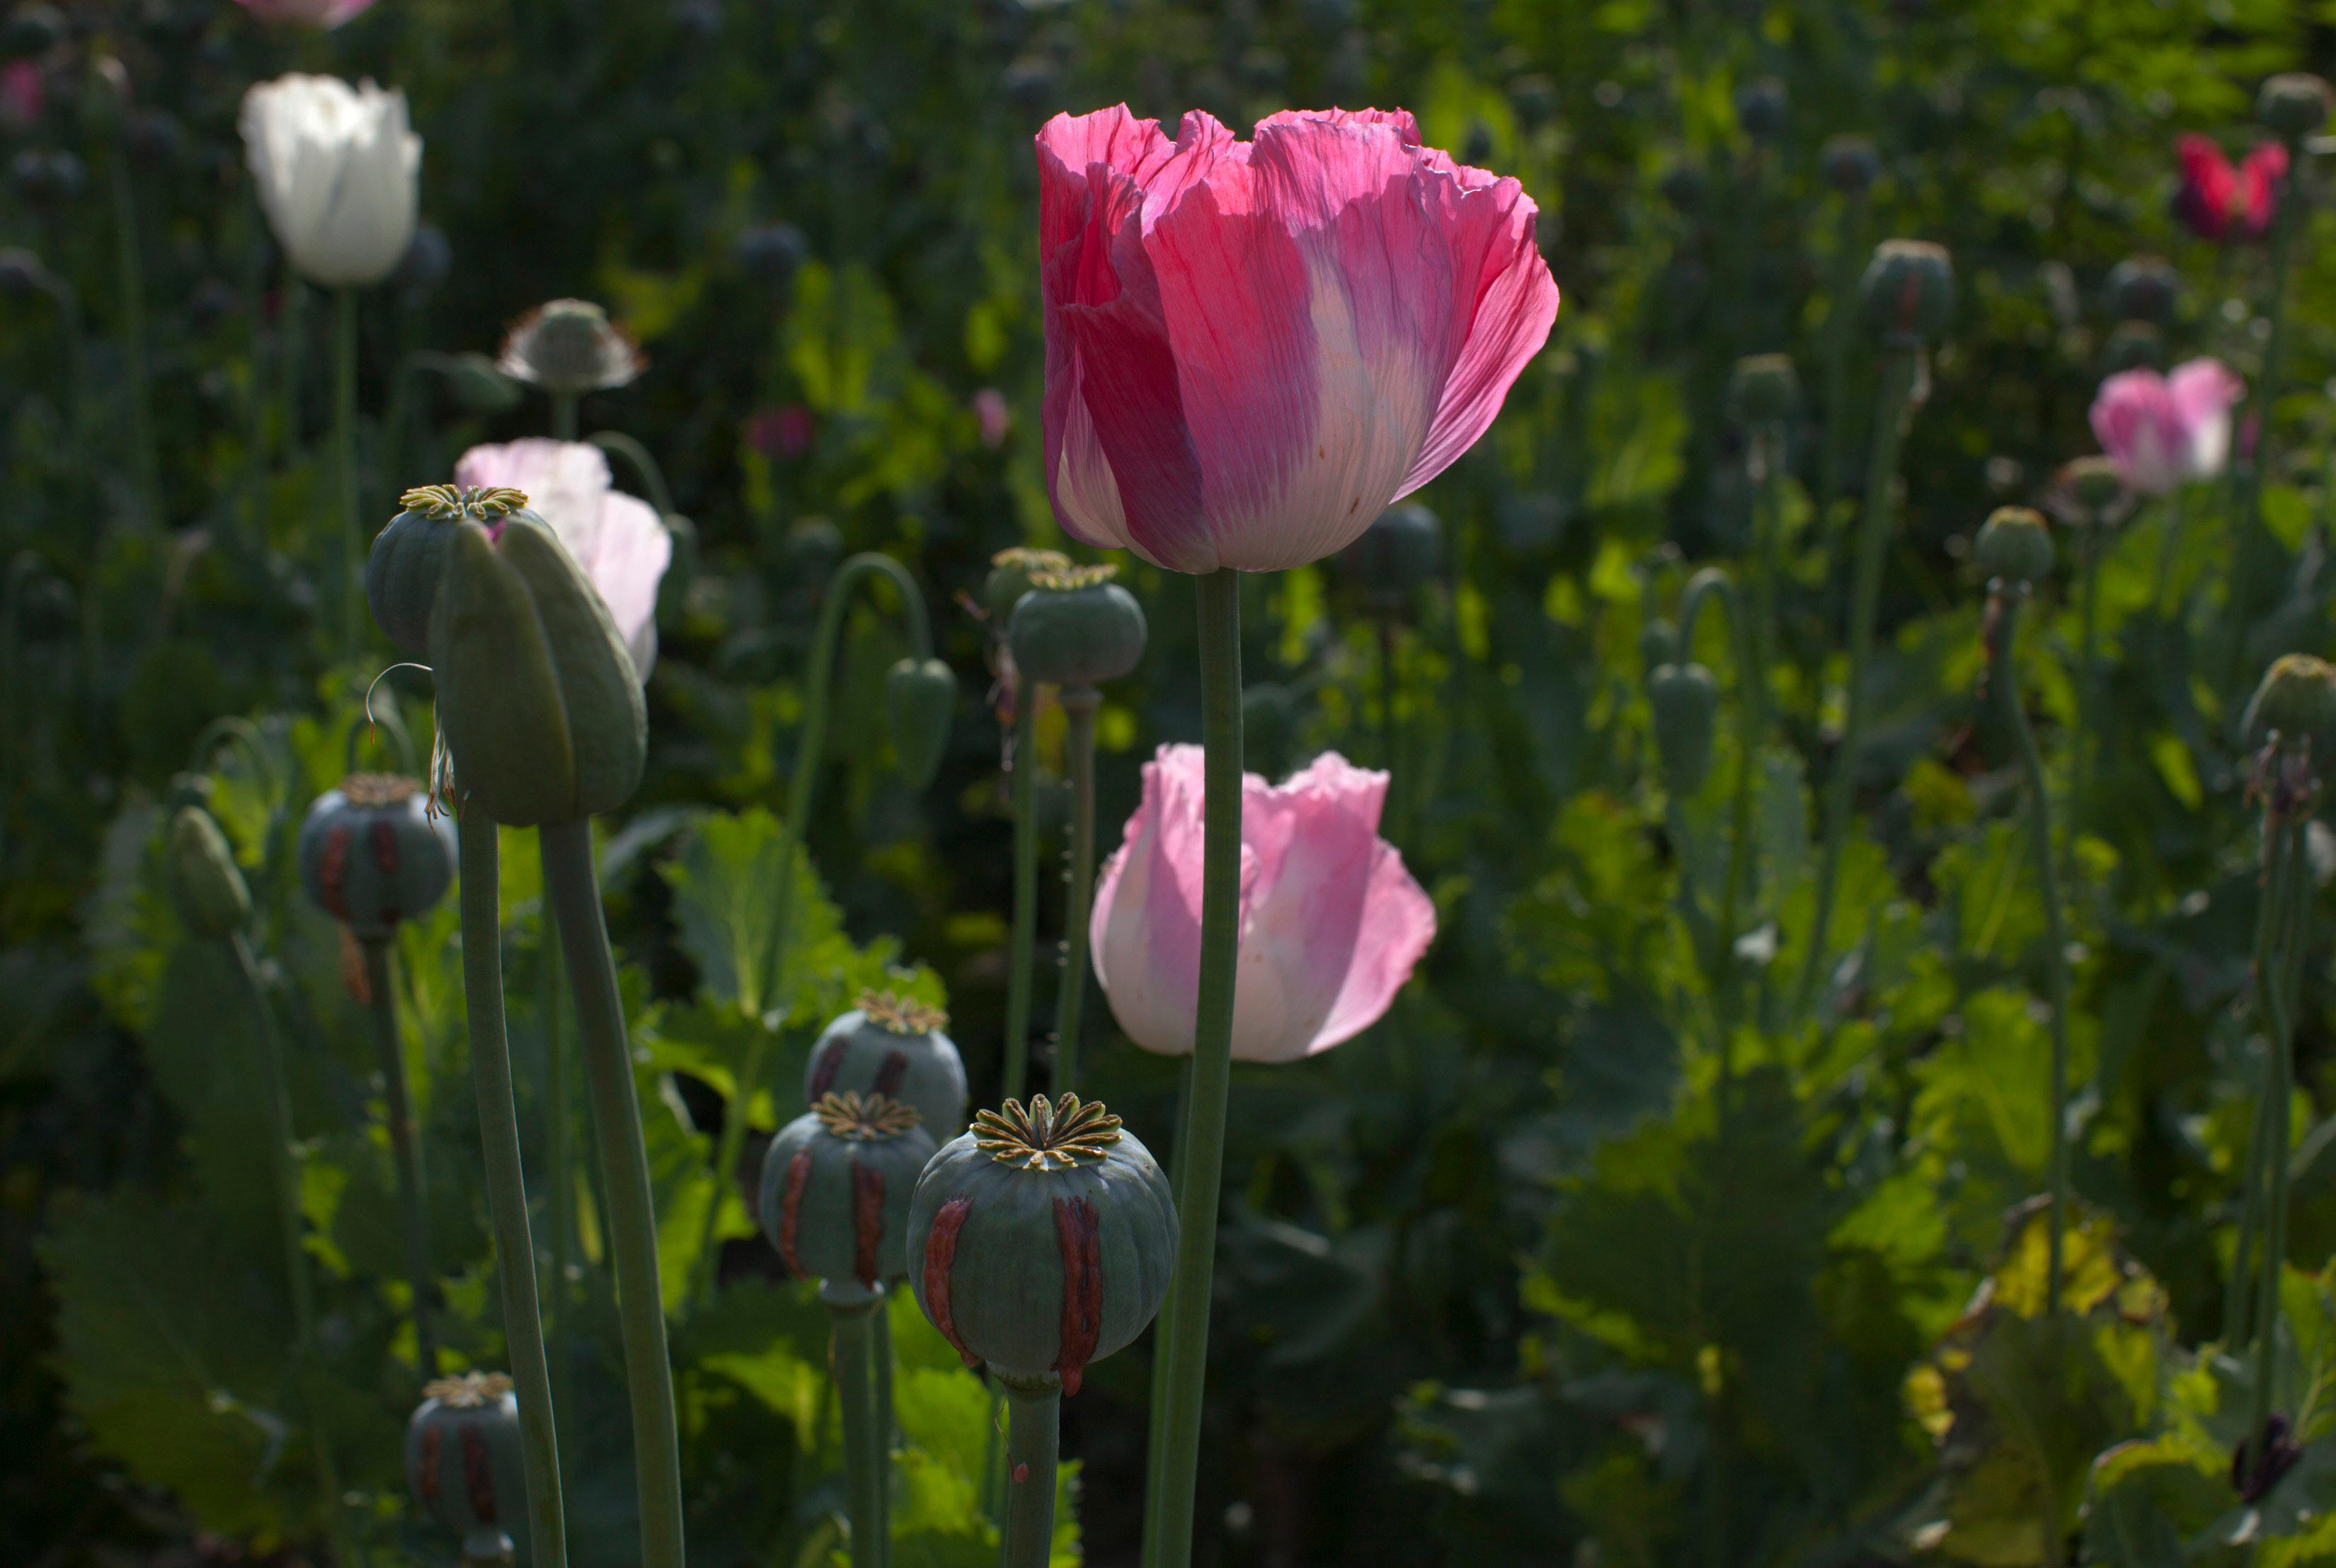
(1081, 1245)
(385, 856)
(941, 1255)
(333, 872)
(889, 1076)
(790, 1210)
(426, 1468)
(478, 1475)
(867, 1221)
(823, 1071)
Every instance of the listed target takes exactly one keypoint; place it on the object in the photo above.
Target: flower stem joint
(372, 855)
(836, 1187)
(1077, 628)
(1909, 291)
(891, 1048)
(1042, 1240)
(461, 1450)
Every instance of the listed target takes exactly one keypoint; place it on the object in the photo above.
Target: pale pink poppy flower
(1253, 347)
(305, 12)
(2164, 430)
(617, 539)
(994, 417)
(1332, 924)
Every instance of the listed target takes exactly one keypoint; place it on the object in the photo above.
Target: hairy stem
(1033, 1445)
(1079, 704)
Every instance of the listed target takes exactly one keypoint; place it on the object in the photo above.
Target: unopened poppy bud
(1910, 291)
(2294, 104)
(1850, 164)
(920, 700)
(2294, 706)
(1077, 628)
(1401, 550)
(402, 568)
(1763, 389)
(538, 701)
(894, 1047)
(1041, 1241)
(372, 855)
(212, 897)
(569, 347)
(2095, 483)
(2144, 289)
(2014, 546)
(836, 1187)
(1010, 571)
(463, 1462)
(1686, 702)
(1760, 108)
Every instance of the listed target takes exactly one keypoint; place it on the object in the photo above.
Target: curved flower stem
(133, 338)
(1015, 1070)
(341, 560)
(2279, 989)
(413, 1190)
(1899, 368)
(644, 464)
(1079, 704)
(768, 1000)
(2056, 967)
(277, 1098)
(864, 1459)
(1175, 1469)
(1033, 1445)
(572, 886)
(491, 1078)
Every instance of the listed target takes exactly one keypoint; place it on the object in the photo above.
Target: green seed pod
(1850, 164)
(1686, 700)
(212, 897)
(2295, 705)
(569, 347)
(1764, 390)
(2095, 483)
(891, 1047)
(538, 703)
(2014, 546)
(462, 1459)
(2133, 345)
(1042, 1240)
(920, 700)
(402, 568)
(2143, 288)
(1760, 108)
(2294, 104)
(1077, 628)
(836, 1186)
(371, 855)
(1401, 550)
(1010, 571)
(1909, 291)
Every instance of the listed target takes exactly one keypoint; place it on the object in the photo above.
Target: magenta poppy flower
(2216, 200)
(2162, 430)
(1253, 347)
(618, 539)
(1332, 924)
(324, 14)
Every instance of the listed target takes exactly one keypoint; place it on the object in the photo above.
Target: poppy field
(913, 785)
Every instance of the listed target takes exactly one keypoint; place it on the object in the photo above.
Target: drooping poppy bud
(372, 855)
(1910, 291)
(402, 568)
(569, 347)
(1764, 390)
(1402, 548)
(1686, 702)
(892, 1047)
(462, 1453)
(1077, 628)
(920, 700)
(2294, 104)
(2014, 546)
(836, 1187)
(212, 897)
(1042, 1240)
(538, 701)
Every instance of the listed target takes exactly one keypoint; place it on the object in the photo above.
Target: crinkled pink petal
(2203, 391)
(2134, 419)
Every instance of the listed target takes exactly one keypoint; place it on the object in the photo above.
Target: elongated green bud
(212, 897)
(920, 700)
(1686, 700)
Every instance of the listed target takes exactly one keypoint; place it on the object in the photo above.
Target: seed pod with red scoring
(1042, 1240)
(893, 1046)
(371, 855)
(836, 1185)
(461, 1459)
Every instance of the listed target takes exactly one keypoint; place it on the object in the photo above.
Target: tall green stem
(1032, 1447)
(292, 363)
(412, 1200)
(1079, 704)
(1201, 1152)
(563, 416)
(2238, 1301)
(559, 1155)
(1841, 321)
(341, 559)
(277, 1097)
(491, 1078)
(572, 885)
(133, 338)
(1395, 797)
(864, 1460)
(2085, 743)
(1024, 939)
(1899, 368)
(2279, 1088)
(2056, 938)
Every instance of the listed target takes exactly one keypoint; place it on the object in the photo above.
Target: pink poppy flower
(617, 539)
(323, 14)
(2215, 200)
(1332, 924)
(994, 417)
(22, 94)
(2162, 430)
(1253, 347)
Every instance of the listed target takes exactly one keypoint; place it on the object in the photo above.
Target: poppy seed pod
(538, 703)
(892, 1047)
(836, 1185)
(2095, 483)
(32, 30)
(1401, 550)
(2294, 104)
(1910, 291)
(2014, 546)
(1010, 571)
(402, 568)
(372, 855)
(1760, 108)
(1850, 164)
(770, 252)
(1041, 1241)
(1764, 390)
(569, 347)
(1077, 628)
(207, 885)
(2295, 705)
(462, 1449)
(919, 699)
(2143, 288)
(1686, 701)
